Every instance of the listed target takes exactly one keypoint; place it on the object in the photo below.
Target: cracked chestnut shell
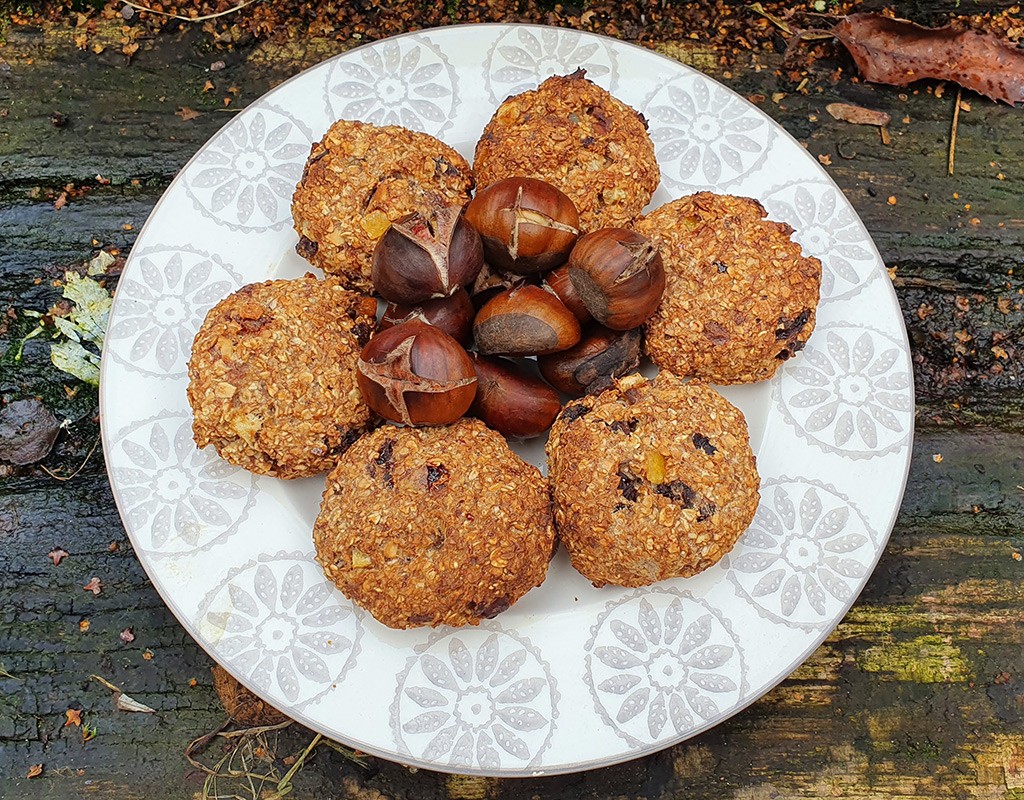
(422, 256)
(557, 281)
(526, 225)
(618, 275)
(511, 400)
(416, 374)
(525, 321)
(453, 315)
(591, 365)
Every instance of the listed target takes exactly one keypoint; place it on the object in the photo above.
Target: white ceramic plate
(571, 677)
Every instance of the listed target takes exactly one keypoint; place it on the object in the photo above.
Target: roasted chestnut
(525, 321)
(453, 315)
(557, 281)
(416, 374)
(618, 275)
(591, 365)
(510, 400)
(527, 225)
(490, 283)
(426, 255)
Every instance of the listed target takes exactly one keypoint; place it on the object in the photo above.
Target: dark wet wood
(919, 692)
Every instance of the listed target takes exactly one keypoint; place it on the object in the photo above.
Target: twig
(196, 746)
(952, 130)
(106, 683)
(284, 786)
(62, 478)
(231, 10)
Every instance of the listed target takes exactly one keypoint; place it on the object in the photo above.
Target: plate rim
(148, 565)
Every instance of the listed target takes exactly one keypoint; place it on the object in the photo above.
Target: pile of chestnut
(575, 302)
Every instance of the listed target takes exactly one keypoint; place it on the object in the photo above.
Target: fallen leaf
(130, 49)
(127, 636)
(102, 181)
(208, 86)
(61, 201)
(73, 717)
(217, 66)
(83, 625)
(898, 52)
(187, 113)
(34, 771)
(95, 586)
(858, 115)
(28, 430)
(148, 655)
(125, 703)
(57, 555)
(937, 458)
(999, 352)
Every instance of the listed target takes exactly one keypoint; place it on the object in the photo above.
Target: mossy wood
(918, 693)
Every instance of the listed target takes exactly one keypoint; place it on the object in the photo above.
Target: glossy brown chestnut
(557, 281)
(527, 225)
(416, 374)
(490, 283)
(511, 400)
(453, 315)
(422, 256)
(601, 355)
(619, 276)
(525, 321)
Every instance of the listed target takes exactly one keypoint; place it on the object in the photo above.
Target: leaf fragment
(75, 360)
(857, 115)
(187, 114)
(57, 555)
(125, 703)
(95, 586)
(73, 716)
(899, 52)
(34, 771)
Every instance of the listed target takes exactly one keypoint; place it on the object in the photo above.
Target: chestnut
(510, 400)
(453, 315)
(527, 225)
(525, 321)
(416, 374)
(557, 281)
(590, 366)
(490, 283)
(619, 276)
(426, 255)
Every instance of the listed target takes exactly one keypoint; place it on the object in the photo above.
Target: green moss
(925, 659)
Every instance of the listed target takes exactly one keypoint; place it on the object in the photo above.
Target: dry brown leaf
(57, 555)
(34, 771)
(95, 586)
(858, 115)
(187, 114)
(74, 717)
(898, 52)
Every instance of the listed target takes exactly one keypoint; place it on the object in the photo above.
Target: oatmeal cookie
(434, 526)
(575, 135)
(357, 180)
(740, 297)
(651, 480)
(272, 377)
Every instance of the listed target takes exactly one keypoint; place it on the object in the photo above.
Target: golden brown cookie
(651, 480)
(740, 296)
(357, 180)
(272, 377)
(575, 135)
(434, 526)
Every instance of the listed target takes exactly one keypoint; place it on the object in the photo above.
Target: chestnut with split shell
(511, 400)
(453, 315)
(526, 224)
(601, 356)
(618, 275)
(426, 255)
(525, 321)
(416, 374)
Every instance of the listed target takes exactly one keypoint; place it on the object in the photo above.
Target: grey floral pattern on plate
(828, 228)
(278, 622)
(848, 391)
(406, 81)
(478, 697)
(521, 58)
(805, 554)
(661, 663)
(244, 178)
(162, 303)
(705, 136)
(178, 500)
